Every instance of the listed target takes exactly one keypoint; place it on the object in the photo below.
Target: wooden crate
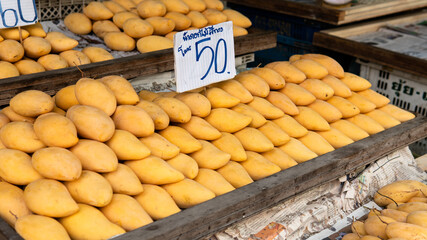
(216, 214)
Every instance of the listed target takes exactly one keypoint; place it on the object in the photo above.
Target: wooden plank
(129, 67)
(220, 212)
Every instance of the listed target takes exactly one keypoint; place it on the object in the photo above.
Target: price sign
(204, 56)
(14, 13)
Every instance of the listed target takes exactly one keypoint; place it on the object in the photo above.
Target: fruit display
(100, 153)
(404, 214)
(123, 25)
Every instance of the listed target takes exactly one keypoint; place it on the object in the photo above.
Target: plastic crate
(404, 90)
(58, 9)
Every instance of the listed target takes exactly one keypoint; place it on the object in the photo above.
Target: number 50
(214, 58)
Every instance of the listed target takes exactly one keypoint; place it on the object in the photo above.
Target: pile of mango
(404, 216)
(98, 159)
(150, 25)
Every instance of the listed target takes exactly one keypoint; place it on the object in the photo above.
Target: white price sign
(14, 13)
(204, 56)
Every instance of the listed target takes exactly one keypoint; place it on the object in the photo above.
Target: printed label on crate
(204, 56)
(14, 13)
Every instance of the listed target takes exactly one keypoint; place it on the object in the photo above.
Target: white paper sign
(204, 56)
(14, 13)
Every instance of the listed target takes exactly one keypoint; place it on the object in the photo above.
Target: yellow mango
(346, 108)
(336, 138)
(239, 31)
(220, 98)
(333, 67)
(11, 51)
(235, 88)
(133, 119)
(316, 143)
(122, 89)
(35, 47)
(398, 113)
(50, 198)
(114, 7)
(291, 126)
(254, 84)
(295, 57)
(383, 118)
(40, 227)
(66, 97)
(127, 147)
(214, 16)
(298, 95)
(95, 156)
(366, 123)
(209, 156)
(147, 95)
(399, 191)
(185, 164)
(176, 6)
(58, 111)
(311, 68)
(14, 117)
(79, 23)
(200, 129)
(91, 188)
(355, 83)
(187, 193)
(406, 231)
(350, 129)
(283, 102)
(35, 30)
(57, 163)
(319, 89)
(126, 212)
(90, 223)
(20, 136)
(298, 151)
(137, 28)
(226, 120)
(280, 158)
(7, 70)
(369, 237)
(121, 17)
(3, 119)
(237, 18)
(361, 102)
(91, 122)
(124, 181)
(199, 105)
(55, 130)
(351, 236)
(358, 227)
(339, 87)
(75, 58)
(16, 167)
(397, 215)
(274, 79)
(151, 8)
(60, 42)
(13, 33)
(418, 218)
(376, 226)
(102, 27)
(265, 108)
(215, 4)
(195, 5)
(181, 21)
(326, 110)
(418, 199)
(31, 103)
(198, 20)
(154, 43)
(213, 181)
(254, 140)
(289, 72)
(181, 138)
(257, 119)
(154, 170)
(97, 11)
(274, 133)
(412, 207)
(157, 114)
(311, 120)
(161, 25)
(97, 54)
(378, 99)
(53, 62)
(176, 110)
(230, 144)
(129, 5)
(119, 41)
(235, 174)
(157, 202)
(28, 66)
(160, 146)
(13, 204)
(259, 167)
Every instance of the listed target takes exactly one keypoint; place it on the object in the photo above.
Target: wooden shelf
(129, 67)
(315, 10)
(337, 39)
(216, 214)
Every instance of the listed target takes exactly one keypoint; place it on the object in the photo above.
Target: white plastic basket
(58, 9)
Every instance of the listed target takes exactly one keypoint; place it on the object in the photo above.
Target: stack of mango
(33, 50)
(98, 159)
(153, 23)
(404, 216)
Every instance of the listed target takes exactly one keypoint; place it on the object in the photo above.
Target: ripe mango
(254, 84)
(291, 126)
(52, 61)
(161, 25)
(257, 119)
(215, 4)
(310, 68)
(254, 140)
(11, 51)
(129, 5)
(31, 103)
(236, 89)
(274, 133)
(56, 130)
(295, 57)
(230, 144)
(336, 138)
(114, 7)
(298, 151)
(127, 147)
(120, 18)
(95, 156)
(124, 181)
(40, 227)
(133, 119)
(358, 227)
(220, 98)
(75, 58)
(147, 95)
(274, 80)
(376, 226)
(97, 54)
(237, 18)
(289, 72)
(14, 117)
(299, 95)
(28, 66)
(280, 158)
(351, 236)
(412, 207)
(339, 87)
(97, 11)
(185, 164)
(383, 118)
(213, 181)
(214, 16)
(13, 33)
(350, 129)
(176, 6)
(378, 99)
(12, 203)
(20, 136)
(418, 218)
(157, 114)
(406, 231)
(366, 123)
(102, 27)
(16, 167)
(79, 23)
(235, 174)
(151, 8)
(60, 42)
(326, 110)
(3, 119)
(333, 67)
(397, 215)
(259, 167)
(195, 5)
(355, 83)
(266, 108)
(226, 120)
(316, 143)
(346, 108)
(119, 41)
(311, 120)
(122, 89)
(7, 70)
(36, 47)
(199, 105)
(397, 113)
(209, 156)
(399, 191)
(160, 146)
(198, 20)
(137, 28)
(283, 102)
(201, 129)
(182, 22)
(361, 102)
(35, 30)
(176, 110)
(319, 89)
(187, 193)
(157, 202)
(181, 138)
(66, 97)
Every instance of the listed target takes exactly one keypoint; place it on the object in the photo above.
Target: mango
(383, 118)
(91, 122)
(358, 227)
(133, 119)
(127, 147)
(97, 11)
(350, 130)
(397, 215)
(121, 17)
(97, 54)
(418, 218)
(226, 120)
(181, 21)
(220, 98)
(280, 158)
(418, 199)
(316, 143)
(319, 89)
(237, 18)
(95, 156)
(235, 174)
(157, 202)
(55, 130)
(254, 84)
(259, 167)
(124, 181)
(176, 110)
(60, 42)
(201, 129)
(57, 163)
(274, 133)
(20, 136)
(289, 72)
(297, 94)
(50, 198)
(151, 8)
(214, 16)
(336, 138)
(266, 108)
(114, 7)
(79, 23)
(137, 28)
(181, 138)
(236, 89)
(160, 146)
(40, 227)
(185, 164)
(75, 58)
(161, 25)
(187, 193)
(378, 99)
(154, 170)
(14, 117)
(376, 226)
(355, 83)
(119, 41)
(366, 123)
(213, 181)
(254, 140)
(8, 70)
(310, 68)
(282, 102)
(31, 103)
(339, 87)
(398, 113)
(16, 167)
(406, 231)
(346, 108)
(157, 114)
(311, 120)
(13, 33)
(35, 30)
(361, 102)
(412, 207)
(399, 191)
(122, 89)
(215, 4)
(195, 5)
(11, 51)
(90, 223)
(53, 62)
(12, 203)
(199, 105)
(66, 97)
(176, 6)
(274, 80)
(230, 144)
(298, 151)
(291, 126)
(326, 110)
(257, 119)
(129, 5)
(333, 67)
(102, 27)
(3, 119)
(198, 20)
(147, 95)
(209, 156)
(35, 47)
(239, 31)
(351, 236)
